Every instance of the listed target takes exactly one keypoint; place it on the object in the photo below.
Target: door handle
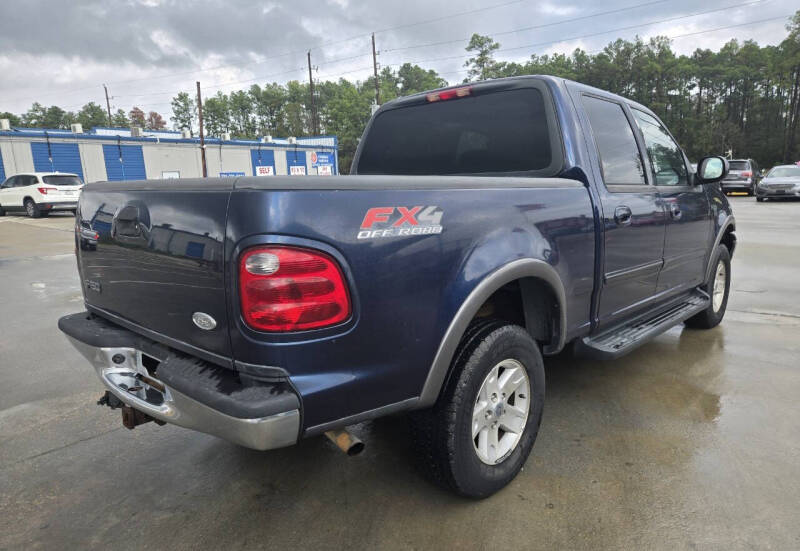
(623, 215)
(675, 211)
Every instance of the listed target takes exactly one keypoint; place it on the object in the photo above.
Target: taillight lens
(747, 174)
(291, 289)
(450, 93)
(44, 190)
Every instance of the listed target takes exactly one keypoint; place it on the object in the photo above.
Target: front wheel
(718, 288)
(477, 437)
(760, 199)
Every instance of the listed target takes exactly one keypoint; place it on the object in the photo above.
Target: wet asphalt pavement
(692, 441)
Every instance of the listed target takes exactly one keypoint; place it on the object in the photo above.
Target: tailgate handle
(126, 222)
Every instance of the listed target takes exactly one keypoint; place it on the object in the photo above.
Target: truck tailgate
(151, 254)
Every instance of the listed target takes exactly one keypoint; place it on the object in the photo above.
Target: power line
(284, 54)
(360, 69)
(674, 36)
(521, 29)
(565, 39)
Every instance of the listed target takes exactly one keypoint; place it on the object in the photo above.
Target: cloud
(552, 9)
(148, 50)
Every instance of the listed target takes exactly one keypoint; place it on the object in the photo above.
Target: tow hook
(345, 441)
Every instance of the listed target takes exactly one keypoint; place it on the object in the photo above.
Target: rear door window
(616, 145)
(502, 131)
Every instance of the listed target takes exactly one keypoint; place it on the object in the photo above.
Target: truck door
(632, 214)
(688, 211)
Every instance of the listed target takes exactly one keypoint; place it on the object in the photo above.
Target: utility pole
(202, 138)
(313, 103)
(375, 72)
(108, 105)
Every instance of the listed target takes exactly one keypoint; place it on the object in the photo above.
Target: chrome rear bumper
(122, 372)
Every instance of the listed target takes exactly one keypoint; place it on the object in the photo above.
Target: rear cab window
(489, 131)
(739, 165)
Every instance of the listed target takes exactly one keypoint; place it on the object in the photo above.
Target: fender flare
(517, 269)
(729, 221)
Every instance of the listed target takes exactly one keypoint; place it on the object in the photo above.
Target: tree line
(90, 115)
(744, 97)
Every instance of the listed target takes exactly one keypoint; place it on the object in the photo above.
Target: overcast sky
(61, 53)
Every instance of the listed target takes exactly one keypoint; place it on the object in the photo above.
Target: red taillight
(291, 289)
(449, 94)
(44, 190)
(747, 174)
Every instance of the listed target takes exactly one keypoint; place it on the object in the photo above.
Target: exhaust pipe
(345, 441)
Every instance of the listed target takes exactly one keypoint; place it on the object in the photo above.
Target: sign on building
(264, 171)
(297, 170)
(325, 170)
(319, 158)
(231, 174)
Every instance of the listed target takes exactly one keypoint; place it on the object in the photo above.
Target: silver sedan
(781, 181)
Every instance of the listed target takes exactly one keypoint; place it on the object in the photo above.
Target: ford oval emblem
(204, 321)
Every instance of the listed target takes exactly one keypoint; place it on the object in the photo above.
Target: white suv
(40, 193)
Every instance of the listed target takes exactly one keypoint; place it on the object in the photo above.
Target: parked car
(782, 181)
(40, 193)
(743, 175)
(483, 226)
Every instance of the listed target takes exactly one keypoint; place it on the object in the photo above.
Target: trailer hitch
(131, 417)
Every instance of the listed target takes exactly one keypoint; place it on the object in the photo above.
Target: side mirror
(711, 170)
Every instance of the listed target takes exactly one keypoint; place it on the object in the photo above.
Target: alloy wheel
(501, 410)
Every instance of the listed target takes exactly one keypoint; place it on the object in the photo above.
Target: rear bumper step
(185, 391)
(620, 340)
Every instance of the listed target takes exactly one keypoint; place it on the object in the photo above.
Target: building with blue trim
(116, 154)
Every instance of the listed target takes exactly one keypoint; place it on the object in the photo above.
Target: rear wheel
(760, 199)
(477, 437)
(718, 288)
(32, 209)
(2, 211)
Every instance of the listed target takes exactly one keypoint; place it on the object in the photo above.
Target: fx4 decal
(401, 221)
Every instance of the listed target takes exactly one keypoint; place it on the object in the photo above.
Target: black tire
(711, 317)
(32, 209)
(760, 199)
(442, 435)
(2, 211)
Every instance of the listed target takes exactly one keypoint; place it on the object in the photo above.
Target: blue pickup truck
(482, 227)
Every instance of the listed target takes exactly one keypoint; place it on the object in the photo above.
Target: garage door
(262, 157)
(124, 162)
(58, 157)
(296, 159)
(2, 168)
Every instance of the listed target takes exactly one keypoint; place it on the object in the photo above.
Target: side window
(619, 154)
(9, 182)
(666, 158)
(23, 181)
